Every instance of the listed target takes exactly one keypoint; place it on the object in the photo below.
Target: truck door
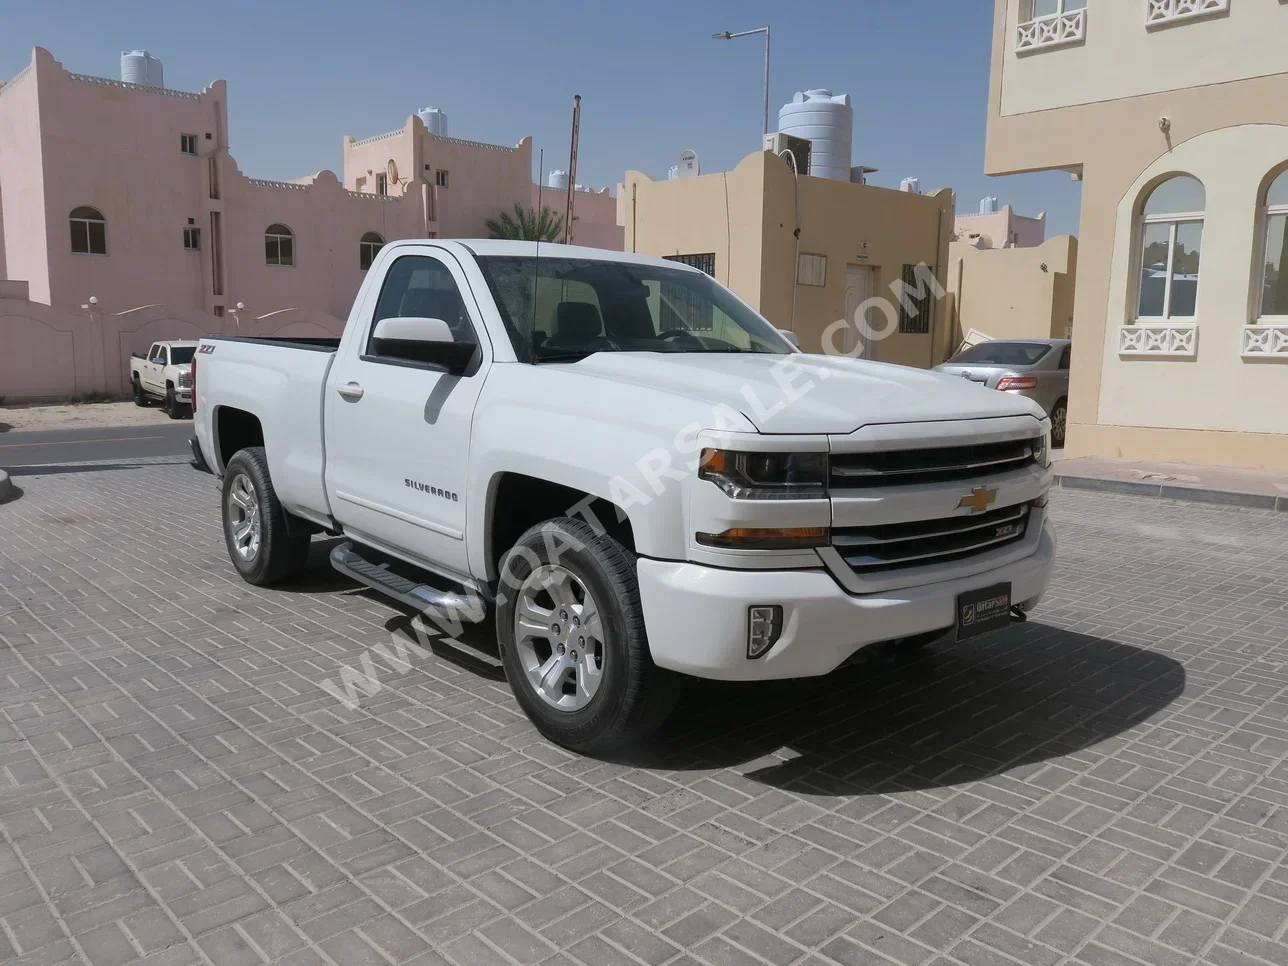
(398, 430)
(152, 371)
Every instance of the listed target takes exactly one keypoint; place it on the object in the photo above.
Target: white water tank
(911, 185)
(673, 172)
(435, 120)
(558, 178)
(988, 206)
(140, 67)
(827, 121)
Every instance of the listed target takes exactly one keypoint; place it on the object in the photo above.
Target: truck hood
(805, 393)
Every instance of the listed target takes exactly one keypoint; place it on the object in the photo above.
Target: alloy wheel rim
(1058, 420)
(559, 638)
(244, 523)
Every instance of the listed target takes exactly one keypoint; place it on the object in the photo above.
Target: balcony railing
(1265, 342)
(1159, 339)
(1051, 31)
(1169, 11)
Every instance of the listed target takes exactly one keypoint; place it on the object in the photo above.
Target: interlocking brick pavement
(1104, 785)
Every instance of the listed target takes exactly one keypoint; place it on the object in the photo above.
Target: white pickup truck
(165, 373)
(638, 473)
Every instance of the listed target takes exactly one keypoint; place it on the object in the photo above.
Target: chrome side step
(422, 597)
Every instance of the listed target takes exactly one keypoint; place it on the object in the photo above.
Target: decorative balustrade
(14, 80)
(287, 185)
(1173, 339)
(1265, 342)
(472, 144)
(378, 137)
(126, 85)
(1051, 31)
(370, 195)
(1169, 11)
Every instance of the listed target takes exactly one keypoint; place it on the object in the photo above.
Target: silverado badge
(980, 499)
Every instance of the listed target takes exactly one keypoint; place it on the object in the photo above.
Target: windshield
(181, 356)
(567, 308)
(1001, 354)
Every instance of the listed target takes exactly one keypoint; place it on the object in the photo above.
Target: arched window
(1171, 241)
(1274, 279)
(89, 232)
(367, 248)
(279, 245)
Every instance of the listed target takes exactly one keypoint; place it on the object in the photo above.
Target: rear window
(182, 356)
(1001, 354)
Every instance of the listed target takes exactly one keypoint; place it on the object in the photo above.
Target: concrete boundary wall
(47, 353)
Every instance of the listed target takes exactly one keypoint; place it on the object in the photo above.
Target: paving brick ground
(1105, 785)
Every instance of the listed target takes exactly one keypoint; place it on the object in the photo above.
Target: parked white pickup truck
(643, 476)
(165, 373)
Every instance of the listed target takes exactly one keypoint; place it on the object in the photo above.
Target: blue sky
(301, 75)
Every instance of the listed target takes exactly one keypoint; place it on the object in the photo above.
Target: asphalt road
(50, 447)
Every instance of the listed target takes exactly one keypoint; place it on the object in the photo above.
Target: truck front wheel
(570, 627)
(263, 546)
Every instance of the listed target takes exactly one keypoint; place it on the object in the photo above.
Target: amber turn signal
(766, 538)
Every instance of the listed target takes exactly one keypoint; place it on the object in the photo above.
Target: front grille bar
(867, 471)
(864, 561)
(1011, 515)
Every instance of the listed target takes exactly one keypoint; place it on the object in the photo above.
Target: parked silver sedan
(1037, 368)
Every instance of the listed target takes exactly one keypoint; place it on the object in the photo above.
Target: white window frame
(86, 222)
(191, 238)
(1174, 220)
(369, 249)
(440, 178)
(187, 141)
(278, 237)
(1065, 26)
(1267, 212)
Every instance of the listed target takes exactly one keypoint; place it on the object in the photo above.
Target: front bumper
(696, 616)
(183, 395)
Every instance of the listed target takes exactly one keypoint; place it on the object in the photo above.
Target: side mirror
(791, 337)
(428, 341)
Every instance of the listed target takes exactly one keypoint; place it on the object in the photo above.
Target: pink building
(129, 194)
(1000, 229)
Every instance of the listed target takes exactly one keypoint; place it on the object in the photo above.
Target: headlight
(766, 476)
(1042, 450)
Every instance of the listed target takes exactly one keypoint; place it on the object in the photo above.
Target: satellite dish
(391, 169)
(688, 166)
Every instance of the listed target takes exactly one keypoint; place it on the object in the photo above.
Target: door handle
(350, 390)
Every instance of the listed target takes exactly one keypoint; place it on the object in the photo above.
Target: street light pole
(730, 35)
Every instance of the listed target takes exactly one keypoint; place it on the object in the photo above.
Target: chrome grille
(892, 546)
(906, 467)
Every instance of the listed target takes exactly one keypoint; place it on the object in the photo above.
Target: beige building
(999, 229)
(1174, 114)
(1014, 293)
(857, 245)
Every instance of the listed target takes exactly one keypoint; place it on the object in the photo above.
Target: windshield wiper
(571, 356)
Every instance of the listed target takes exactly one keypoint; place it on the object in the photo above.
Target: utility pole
(730, 35)
(572, 166)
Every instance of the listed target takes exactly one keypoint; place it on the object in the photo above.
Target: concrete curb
(7, 490)
(1169, 491)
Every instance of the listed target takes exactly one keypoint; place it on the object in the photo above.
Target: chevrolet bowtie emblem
(980, 499)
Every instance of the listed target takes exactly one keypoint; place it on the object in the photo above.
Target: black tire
(140, 397)
(1059, 423)
(283, 541)
(173, 408)
(634, 696)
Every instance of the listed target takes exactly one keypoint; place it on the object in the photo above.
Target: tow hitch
(1017, 614)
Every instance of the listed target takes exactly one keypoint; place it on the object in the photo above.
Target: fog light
(764, 627)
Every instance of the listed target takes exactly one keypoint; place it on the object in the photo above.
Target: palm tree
(526, 224)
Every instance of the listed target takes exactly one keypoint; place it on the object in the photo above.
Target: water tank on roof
(911, 185)
(988, 206)
(435, 120)
(140, 67)
(827, 121)
(558, 178)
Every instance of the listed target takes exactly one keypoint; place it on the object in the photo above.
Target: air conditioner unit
(798, 147)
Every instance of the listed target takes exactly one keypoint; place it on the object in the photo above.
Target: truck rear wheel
(263, 546)
(570, 627)
(140, 397)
